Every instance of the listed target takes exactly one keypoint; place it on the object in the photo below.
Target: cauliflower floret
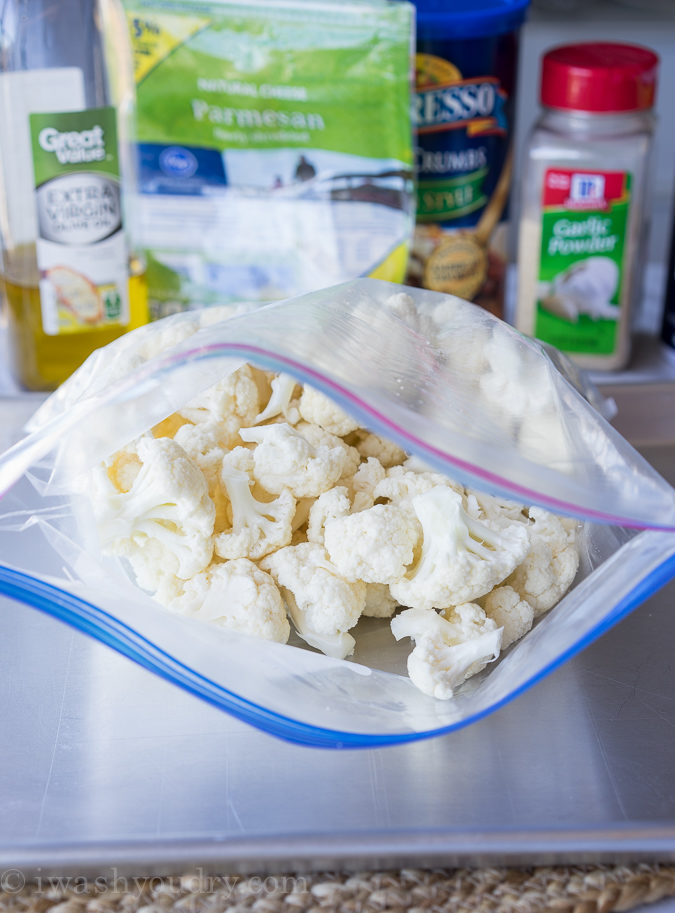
(168, 501)
(404, 307)
(281, 401)
(285, 459)
(543, 438)
(375, 545)
(233, 401)
(469, 620)
(509, 612)
(448, 650)
(363, 483)
(370, 444)
(551, 563)
(239, 458)
(322, 604)
(153, 565)
(122, 469)
(329, 505)
(521, 389)
(317, 436)
(238, 595)
(379, 601)
(403, 483)
(318, 409)
(462, 339)
(205, 445)
(519, 382)
(258, 527)
(461, 558)
(499, 511)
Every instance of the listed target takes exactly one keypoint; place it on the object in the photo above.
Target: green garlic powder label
(581, 276)
(81, 250)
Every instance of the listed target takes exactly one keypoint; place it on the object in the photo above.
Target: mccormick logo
(583, 190)
(587, 189)
(474, 104)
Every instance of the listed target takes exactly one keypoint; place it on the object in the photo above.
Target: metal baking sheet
(105, 768)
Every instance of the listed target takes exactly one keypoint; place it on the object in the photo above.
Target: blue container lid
(469, 18)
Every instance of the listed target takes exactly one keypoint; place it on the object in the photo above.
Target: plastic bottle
(583, 220)
(70, 280)
(466, 67)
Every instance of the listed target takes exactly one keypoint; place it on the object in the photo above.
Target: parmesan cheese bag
(274, 145)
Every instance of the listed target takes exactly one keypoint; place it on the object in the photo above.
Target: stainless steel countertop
(106, 768)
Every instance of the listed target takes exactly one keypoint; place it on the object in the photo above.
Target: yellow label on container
(155, 35)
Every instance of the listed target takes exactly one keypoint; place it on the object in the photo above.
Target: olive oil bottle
(69, 277)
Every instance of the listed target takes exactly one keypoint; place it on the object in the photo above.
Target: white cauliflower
(153, 566)
(448, 649)
(370, 444)
(519, 383)
(521, 390)
(461, 558)
(462, 334)
(375, 545)
(317, 436)
(122, 469)
(509, 612)
(341, 521)
(205, 446)
(329, 505)
(238, 595)
(167, 501)
(498, 510)
(405, 308)
(551, 564)
(363, 483)
(317, 409)
(322, 604)
(258, 527)
(233, 401)
(543, 438)
(284, 458)
(379, 601)
(204, 443)
(281, 401)
(403, 483)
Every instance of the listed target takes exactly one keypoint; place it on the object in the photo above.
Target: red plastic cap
(599, 76)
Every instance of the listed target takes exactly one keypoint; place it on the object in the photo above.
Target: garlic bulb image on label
(586, 287)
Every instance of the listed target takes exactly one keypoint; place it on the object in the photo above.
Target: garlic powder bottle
(582, 226)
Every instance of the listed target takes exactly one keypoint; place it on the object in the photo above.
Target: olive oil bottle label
(81, 248)
(581, 278)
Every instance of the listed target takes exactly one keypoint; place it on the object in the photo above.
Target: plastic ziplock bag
(445, 380)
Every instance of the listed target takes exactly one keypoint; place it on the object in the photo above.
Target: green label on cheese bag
(275, 145)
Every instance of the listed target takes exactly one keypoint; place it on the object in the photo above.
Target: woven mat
(577, 889)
